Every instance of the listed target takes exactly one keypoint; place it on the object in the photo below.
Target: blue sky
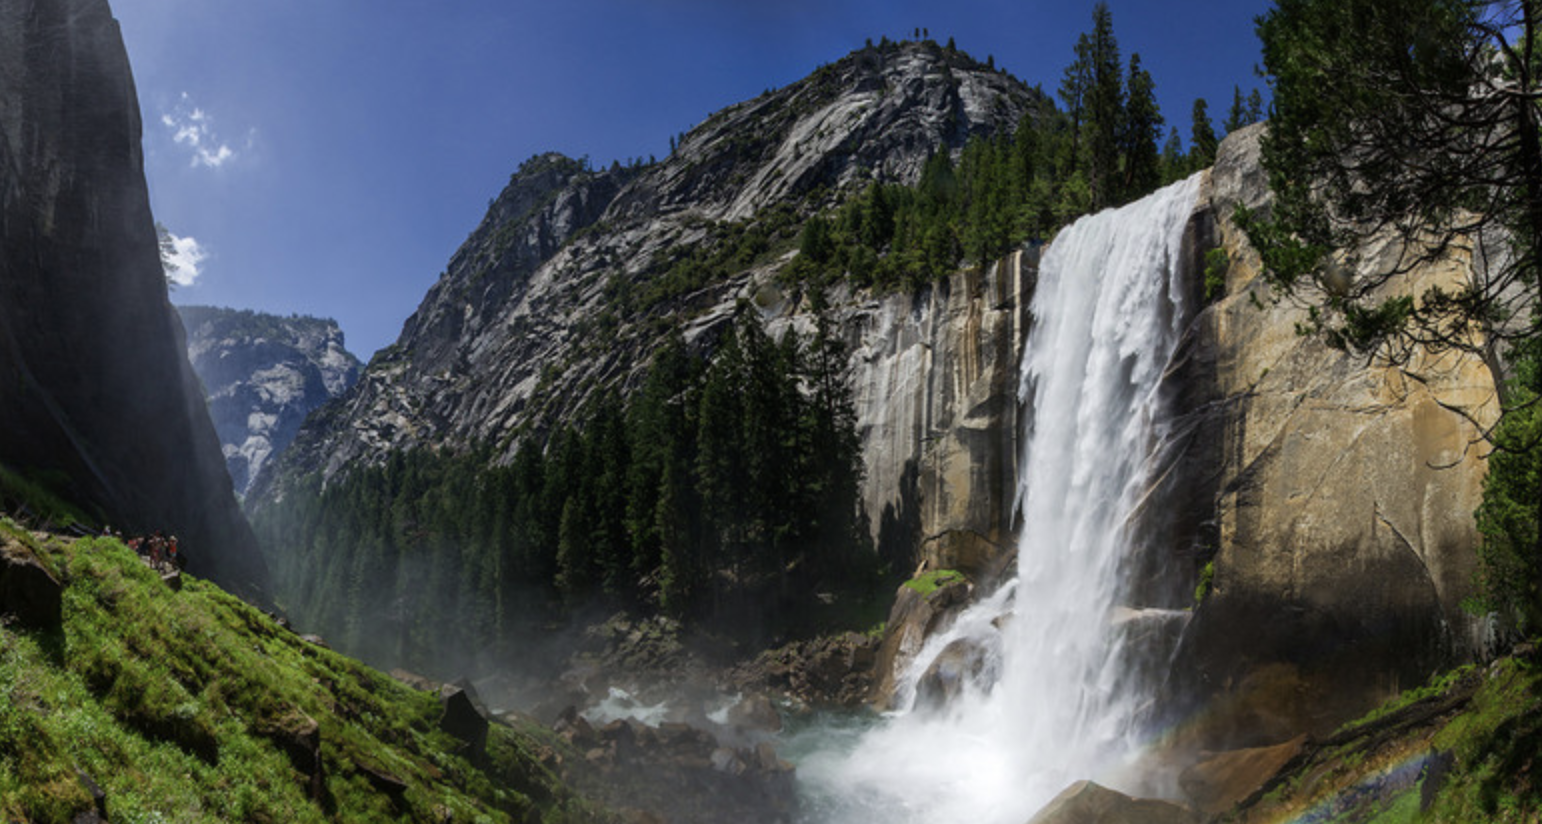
(327, 157)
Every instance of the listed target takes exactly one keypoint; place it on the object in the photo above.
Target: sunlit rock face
(534, 314)
(935, 382)
(264, 374)
(1343, 535)
(98, 400)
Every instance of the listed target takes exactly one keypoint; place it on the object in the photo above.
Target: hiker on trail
(172, 555)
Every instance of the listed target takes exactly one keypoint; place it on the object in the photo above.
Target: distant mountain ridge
(564, 286)
(264, 374)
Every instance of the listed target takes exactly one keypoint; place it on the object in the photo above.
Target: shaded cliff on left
(97, 401)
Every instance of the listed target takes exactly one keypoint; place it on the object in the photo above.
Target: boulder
(461, 719)
(913, 618)
(755, 713)
(299, 736)
(1087, 803)
(1217, 783)
(958, 664)
(29, 593)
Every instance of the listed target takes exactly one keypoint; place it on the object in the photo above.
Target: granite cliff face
(263, 375)
(1342, 490)
(565, 286)
(99, 400)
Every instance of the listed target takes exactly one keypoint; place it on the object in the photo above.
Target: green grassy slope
(191, 705)
(1467, 748)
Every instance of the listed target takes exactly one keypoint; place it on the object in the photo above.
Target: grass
(1486, 722)
(39, 496)
(177, 705)
(928, 582)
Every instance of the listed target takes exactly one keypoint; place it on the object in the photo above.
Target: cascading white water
(1055, 699)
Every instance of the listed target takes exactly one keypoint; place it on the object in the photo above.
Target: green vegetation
(1217, 261)
(1473, 732)
(42, 498)
(1438, 685)
(932, 580)
(187, 705)
(1206, 579)
(1007, 189)
(1510, 580)
(1383, 123)
(724, 493)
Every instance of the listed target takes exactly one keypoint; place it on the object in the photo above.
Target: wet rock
(1216, 784)
(959, 663)
(383, 781)
(833, 671)
(755, 713)
(725, 760)
(913, 619)
(29, 593)
(1087, 803)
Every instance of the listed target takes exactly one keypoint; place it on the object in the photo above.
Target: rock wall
(1342, 536)
(96, 395)
(263, 375)
(936, 380)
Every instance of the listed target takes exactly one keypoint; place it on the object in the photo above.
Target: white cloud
(192, 127)
(180, 257)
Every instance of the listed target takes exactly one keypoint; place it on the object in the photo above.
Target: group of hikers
(158, 550)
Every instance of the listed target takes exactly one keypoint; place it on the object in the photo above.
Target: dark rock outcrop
(263, 374)
(831, 671)
(461, 718)
(29, 593)
(98, 395)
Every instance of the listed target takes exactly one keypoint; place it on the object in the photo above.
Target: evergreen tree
(1174, 164)
(1202, 139)
(1142, 129)
(1074, 86)
(1255, 107)
(1104, 108)
(1237, 115)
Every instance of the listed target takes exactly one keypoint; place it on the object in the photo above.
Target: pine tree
(1074, 86)
(1202, 139)
(1105, 108)
(1142, 129)
(1237, 115)
(1174, 164)
(1255, 107)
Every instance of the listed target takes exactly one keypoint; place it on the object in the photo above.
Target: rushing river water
(1054, 692)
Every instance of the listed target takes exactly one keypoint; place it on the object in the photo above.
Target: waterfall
(1051, 692)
